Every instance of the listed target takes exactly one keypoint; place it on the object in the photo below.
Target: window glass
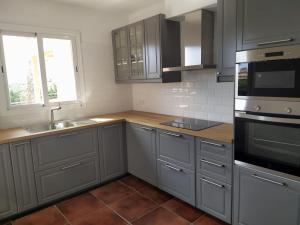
(22, 70)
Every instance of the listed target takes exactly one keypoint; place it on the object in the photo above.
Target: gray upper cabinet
(261, 198)
(267, 23)
(153, 47)
(23, 175)
(112, 151)
(226, 40)
(141, 152)
(153, 44)
(8, 204)
(52, 151)
(137, 51)
(121, 54)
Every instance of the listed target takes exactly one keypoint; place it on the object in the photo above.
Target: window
(39, 69)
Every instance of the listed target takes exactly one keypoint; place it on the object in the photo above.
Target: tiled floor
(126, 201)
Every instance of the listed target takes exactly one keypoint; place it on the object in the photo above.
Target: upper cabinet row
(142, 49)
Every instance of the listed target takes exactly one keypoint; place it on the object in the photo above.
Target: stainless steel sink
(37, 128)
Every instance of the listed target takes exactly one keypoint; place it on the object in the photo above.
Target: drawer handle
(213, 183)
(173, 168)
(212, 163)
(111, 126)
(268, 180)
(67, 135)
(19, 144)
(213, 144)
(276, 42)
(172, 134)
(147, 128)
(71, 166)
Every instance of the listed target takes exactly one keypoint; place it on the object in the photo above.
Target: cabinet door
(112, 152)
(23, 175)
(177, 181)
(153, 47)
(267, 23)
(137, 51)
(261, 198)
(141, 152)
(226, 37)
(52, 151)
(214, 197)
(8, 204)
(59, 182)
(121, 54)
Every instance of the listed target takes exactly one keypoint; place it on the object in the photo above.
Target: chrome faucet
(52, 114)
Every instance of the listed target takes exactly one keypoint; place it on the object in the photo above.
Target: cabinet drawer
(214, 169)
(176, 148)
(59, 182)
(214, 197)
(177, 181)
(52, 151)
(219, 151)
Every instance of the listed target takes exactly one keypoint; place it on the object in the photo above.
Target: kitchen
(149, 112)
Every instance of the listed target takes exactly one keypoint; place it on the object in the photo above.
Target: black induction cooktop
(191, 124)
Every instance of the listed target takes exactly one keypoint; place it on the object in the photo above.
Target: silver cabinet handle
(213, 183)
(67, 135)
(70, 166)
(173, 168)
(111, 126)
(212, 163)
(147, 128)
(268, 180)
(276, 42)
(172, 134)
(20, 144)
(213, 144)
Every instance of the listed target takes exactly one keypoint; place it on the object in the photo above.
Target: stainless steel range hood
(197, 41)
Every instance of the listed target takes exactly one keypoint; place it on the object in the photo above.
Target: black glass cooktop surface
(191, 124)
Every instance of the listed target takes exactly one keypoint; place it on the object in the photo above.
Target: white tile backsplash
(197, 96)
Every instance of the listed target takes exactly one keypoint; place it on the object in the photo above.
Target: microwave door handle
(244, 115)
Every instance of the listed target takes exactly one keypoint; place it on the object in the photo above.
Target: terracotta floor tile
(133, 207)
(183, 209)
(134, 182)
(208, 220)
(161, 216)
(48, 216)
(112, 192)
(103, 216)
(155, 194)
(79, 206)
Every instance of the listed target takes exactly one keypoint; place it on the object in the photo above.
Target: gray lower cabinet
(112, 151)
(8, 203)
(214, 197)
(267, 23)
(57, 150)
(262, 198)
(23, 175)
(58, 182)
(176, 148)
(141, 152)
(177, 181)
(226, 38)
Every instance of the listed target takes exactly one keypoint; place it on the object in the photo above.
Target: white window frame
(40, 33)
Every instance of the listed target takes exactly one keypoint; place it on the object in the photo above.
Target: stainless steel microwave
(268, 80)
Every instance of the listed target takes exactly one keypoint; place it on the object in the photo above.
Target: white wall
(102, 94)
(199, 95)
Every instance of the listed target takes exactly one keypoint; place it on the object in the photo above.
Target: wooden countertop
(223, 133)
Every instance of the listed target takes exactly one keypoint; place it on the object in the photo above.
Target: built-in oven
(268, 80)
(268, 141)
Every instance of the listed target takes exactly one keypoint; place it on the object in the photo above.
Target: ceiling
(113, 5)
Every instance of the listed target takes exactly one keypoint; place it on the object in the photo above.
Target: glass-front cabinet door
(137, 52)
(121, 54)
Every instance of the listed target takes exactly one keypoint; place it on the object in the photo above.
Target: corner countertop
(223, 132)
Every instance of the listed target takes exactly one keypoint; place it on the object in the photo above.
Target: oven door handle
(244, 115)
